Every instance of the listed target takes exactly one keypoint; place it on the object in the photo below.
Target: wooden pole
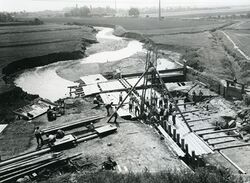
(170, 95)
(183, 144)
(130, 91)
(174, 134)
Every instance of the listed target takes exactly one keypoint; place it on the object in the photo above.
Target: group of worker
(197, 98)
(160, 109)
(52, 113)
(51, 138)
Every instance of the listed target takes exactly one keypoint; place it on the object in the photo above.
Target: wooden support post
(170, 130)
(186, 148)
(165, 125)
(193, 155)
(130, 91)
(178, 138)
(183, 144)
(174, 134)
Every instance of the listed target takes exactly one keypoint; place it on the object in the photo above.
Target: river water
(45, 82)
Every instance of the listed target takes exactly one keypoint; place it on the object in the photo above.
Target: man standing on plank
(38, 135)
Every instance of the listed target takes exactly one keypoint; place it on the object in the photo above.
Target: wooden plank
(92, 79)
(218, 131)
(106, 129)
(73, 124)
(195, 120)
(219, 137)
(232, 146)
(24, 156)
(202, 129)
(161, 72)
(187, 103)
(66, 139)
(185, 112)
(222, 142)
(87, 138)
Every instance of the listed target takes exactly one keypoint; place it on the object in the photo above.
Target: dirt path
(235, 46)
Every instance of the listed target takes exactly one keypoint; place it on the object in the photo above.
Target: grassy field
(177, 34)
(200, 176)
(147, 25)
(21, 42)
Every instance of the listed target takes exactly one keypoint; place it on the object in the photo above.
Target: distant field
(242, 24)
(197, 40)
(29, 41)
(21, 42)
(146, 25)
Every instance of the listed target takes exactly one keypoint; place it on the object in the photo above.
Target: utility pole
(115, 7)
(159, 9)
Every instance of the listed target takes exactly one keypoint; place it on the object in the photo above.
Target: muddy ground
(135, 147)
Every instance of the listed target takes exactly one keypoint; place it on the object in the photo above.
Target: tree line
(86, 11)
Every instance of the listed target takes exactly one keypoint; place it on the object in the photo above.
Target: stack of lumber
(31, 163)
(73, 124)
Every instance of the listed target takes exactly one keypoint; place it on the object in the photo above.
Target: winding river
(45, 81)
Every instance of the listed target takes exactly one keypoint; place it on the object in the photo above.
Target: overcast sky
(38, 5)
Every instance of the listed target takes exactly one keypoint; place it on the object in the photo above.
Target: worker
(115, 115)
(60, 134)
(185, 101)
(200, 95)
(137, 111)
(109, 164)
(97, 102)
(38, 135)
(166, 113)
(120, 98)
(51, 139)
(130, 104)
(108, 107)
(91, 127)
(235, 80)
(147, 102)
(194, 97)
(153, 119)
(170, 107)
(174, 117)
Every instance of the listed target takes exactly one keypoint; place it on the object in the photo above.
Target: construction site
(155, 120)
(126, 110)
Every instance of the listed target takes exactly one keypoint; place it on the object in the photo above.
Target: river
(45, 82)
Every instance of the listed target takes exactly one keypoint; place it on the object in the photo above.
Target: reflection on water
(47, 84)
(44, 82)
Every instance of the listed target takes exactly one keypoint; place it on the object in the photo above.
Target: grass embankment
(194, 39)
(200, 176)
(24, 47)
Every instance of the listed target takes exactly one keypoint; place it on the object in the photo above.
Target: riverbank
(25, 47)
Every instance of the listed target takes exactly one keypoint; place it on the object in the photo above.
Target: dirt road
(236, 47)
